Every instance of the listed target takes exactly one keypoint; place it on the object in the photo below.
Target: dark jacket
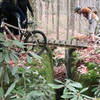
(24, 4)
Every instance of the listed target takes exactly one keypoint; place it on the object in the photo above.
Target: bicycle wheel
(37, 40)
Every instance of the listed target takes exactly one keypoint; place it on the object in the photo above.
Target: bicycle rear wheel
(37, 40)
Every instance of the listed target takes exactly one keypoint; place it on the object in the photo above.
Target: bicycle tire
(43, 47)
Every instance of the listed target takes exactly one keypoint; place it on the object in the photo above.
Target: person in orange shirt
(91, 16)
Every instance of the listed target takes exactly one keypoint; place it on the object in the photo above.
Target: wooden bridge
(67, 44)
(70, 48)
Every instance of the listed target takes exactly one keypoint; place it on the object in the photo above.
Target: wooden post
(68, 61)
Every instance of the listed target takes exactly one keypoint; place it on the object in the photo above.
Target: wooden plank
(60, 43)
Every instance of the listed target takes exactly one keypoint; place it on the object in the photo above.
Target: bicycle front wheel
(37, 40)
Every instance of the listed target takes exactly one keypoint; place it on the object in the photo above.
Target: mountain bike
(34, 38)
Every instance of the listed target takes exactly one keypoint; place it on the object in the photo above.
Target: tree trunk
(52, 7)
(72, 20)
(68, 19)
(41, 10)
(58, 11)
(46, 15)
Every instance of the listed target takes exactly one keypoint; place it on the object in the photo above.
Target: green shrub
(89, 79)
(21, 83)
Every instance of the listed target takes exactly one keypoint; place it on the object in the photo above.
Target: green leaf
(59, 81)
(88, 97)
(1, 69)
(98, 94)
(17, 43)
(29, 59)
(94, 89)
(20, 99)
(65, 91)
(76, 84)
(10, 89)
(19, 91)
(30, 48)
(54, 86)
(1, 58)
(35, 55)
(83, 90)
(26, 69)
(13, 57)
(66, 96)
(6, 44)
(74, 98)
(7, 57)
(14, 70)
(6, 77)
(1, 92)
(80, 98)
(34, 95)
(72, 89)
(68, 81)
(2, 36)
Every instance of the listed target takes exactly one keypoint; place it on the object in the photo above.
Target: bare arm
(90, 18)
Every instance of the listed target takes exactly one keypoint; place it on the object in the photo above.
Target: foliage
(87, 73)
(72, 90)
(26, 85)
(18, 81)
(58, 56)
(96, 90)
(44, 67)
(86, 67)
(33, 86)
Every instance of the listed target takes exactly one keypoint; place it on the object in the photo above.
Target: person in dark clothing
(14, 10)
(23, 5)
(11, 6)
(10, 10)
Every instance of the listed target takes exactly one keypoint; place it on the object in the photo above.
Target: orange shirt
(85, 11)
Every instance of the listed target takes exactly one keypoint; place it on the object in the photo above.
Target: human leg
(92, 28)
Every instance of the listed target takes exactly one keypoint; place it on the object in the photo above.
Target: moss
(45, 68)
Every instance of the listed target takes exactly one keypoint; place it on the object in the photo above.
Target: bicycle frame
(6, 25)
(26, 33)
